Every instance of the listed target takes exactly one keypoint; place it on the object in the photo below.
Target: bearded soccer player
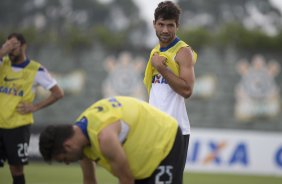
(18, 77)
(169, 76)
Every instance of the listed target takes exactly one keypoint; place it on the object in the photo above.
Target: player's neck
(81, 138)
(20, 60)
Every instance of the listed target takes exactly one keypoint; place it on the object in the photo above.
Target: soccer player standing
(18, 77)
(169, 76)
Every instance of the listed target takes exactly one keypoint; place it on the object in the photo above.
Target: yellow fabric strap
(172, 65)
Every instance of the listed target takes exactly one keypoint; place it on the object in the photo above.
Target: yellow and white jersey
(17, 84)
(42, 77)
(150, 135)
(162, 95)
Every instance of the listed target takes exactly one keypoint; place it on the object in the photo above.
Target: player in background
(18, 77)
(169, 75)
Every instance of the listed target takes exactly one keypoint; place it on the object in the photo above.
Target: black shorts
(186, 145)
(14, 145)
(171, 169)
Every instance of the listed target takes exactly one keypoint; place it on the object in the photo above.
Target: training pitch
(42, 173)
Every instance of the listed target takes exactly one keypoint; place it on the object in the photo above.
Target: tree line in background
(234, 35)
(243, 24)
(117, 25)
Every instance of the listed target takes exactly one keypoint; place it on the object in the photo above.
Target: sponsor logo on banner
(238, 153)
(228, 151)
(278, 157)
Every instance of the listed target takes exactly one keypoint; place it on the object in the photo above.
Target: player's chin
(165, 40)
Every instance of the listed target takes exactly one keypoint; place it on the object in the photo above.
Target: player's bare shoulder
(184, 56)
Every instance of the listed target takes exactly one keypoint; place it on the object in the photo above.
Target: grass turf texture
(42, 173)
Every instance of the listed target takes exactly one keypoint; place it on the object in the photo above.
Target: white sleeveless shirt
(167, 100)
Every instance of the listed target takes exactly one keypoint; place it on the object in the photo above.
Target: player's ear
(24, 46)
(67, 146)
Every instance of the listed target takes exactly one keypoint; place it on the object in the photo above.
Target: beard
(165, 38)
(14, 59)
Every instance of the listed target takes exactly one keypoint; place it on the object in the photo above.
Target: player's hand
(25, 108)
(158, 61)
(10, 45)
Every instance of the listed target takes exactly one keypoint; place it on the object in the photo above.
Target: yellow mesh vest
(169, 54)
(15, 87)
(150, 138)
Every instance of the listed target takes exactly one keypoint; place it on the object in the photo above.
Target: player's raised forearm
(8, 46)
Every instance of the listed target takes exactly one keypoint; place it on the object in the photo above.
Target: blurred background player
(128, 137)
(169, 76)
(18, 77)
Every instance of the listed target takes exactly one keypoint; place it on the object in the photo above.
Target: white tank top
(165, 99)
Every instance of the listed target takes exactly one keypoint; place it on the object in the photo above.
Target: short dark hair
(19, 37)
(52, 138)
(167, 10)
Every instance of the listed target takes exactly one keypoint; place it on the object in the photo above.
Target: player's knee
(16, 170)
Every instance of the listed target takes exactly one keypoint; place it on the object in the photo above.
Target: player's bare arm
(88, 171)
(56, 94)
(112, 149)
(183, 85)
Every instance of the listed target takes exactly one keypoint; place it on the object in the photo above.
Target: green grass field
(41, 173)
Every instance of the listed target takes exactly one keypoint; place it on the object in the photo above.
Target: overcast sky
(147, 7)
(278, 3)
